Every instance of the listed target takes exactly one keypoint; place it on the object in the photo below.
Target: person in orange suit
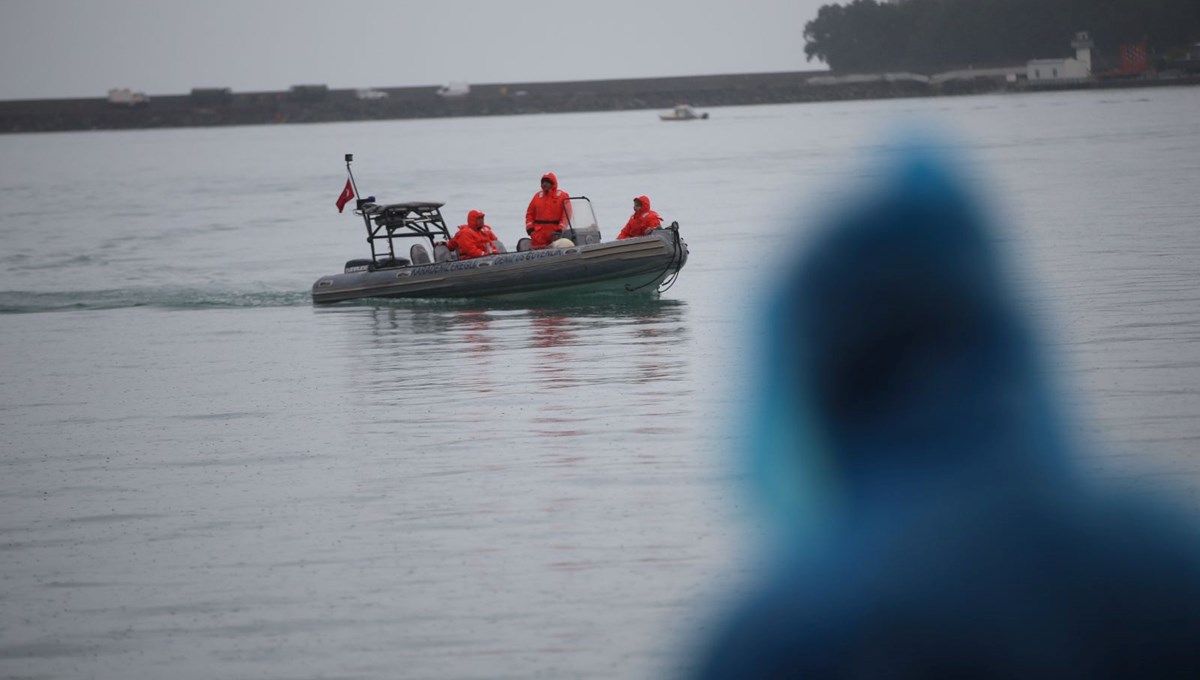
(643, 220)
(473, 239)
(548, 213)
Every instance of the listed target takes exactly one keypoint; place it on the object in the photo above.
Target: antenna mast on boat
(349, 158)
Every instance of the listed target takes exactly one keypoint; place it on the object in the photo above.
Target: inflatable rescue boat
(634, 266)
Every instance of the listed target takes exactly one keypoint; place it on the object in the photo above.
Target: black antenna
(349, 158)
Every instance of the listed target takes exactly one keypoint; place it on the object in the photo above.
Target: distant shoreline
(316, 104)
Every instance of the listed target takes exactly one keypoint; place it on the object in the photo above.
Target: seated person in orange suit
(474, 239)
(643, 221)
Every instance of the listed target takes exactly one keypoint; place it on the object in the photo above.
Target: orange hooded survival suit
(547, 214)
(473, 239)
(644, 219)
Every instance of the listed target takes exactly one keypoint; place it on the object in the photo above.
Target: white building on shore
(1048, 71)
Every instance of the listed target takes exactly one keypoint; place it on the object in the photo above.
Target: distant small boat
(683, 112)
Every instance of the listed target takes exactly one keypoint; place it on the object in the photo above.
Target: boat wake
(29, 302)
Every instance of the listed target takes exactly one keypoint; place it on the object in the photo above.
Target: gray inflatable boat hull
(633, 266)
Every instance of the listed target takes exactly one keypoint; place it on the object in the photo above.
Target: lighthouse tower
(1083, 49)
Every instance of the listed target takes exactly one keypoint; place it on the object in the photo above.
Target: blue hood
(897, 364)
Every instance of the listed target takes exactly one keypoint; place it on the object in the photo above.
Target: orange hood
(472, 217)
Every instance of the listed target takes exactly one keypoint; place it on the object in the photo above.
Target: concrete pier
(309, 104)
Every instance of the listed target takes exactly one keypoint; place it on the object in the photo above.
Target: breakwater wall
(310, 104)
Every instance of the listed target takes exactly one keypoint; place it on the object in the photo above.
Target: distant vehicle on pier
(454, 90)
(126, 97)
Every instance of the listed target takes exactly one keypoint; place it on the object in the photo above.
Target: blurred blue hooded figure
(932, 522)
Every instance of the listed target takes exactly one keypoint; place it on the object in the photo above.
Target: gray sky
(81, 48)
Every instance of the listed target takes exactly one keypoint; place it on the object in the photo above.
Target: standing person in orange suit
(548, 213)
(643, 220)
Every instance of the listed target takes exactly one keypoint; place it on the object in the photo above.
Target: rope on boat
(676, 258)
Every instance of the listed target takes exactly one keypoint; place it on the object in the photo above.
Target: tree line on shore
(932, 35)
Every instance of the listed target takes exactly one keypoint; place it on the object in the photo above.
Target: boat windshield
(581, 214)
(584, 228)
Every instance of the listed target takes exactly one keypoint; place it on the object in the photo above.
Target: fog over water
(204, 476)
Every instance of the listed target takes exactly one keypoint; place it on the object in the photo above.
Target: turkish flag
(347, 195)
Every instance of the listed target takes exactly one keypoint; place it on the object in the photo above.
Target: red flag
(347, 194)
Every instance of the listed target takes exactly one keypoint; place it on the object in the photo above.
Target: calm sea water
(204, 476)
